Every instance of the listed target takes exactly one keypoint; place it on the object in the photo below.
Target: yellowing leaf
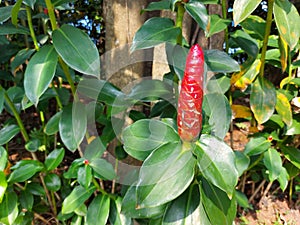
(283, 48)
(240, 111)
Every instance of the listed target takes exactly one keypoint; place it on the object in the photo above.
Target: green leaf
(216, 162)
(295, 126)
(255, 26)
(217, 24)
(9, 208)
(81, 211)
(242, 200)
(11, 29)
(94, 149)
(273, 163)
(72, 125)
(219, 208)
(52, 126)
(103, 168)
(54, 159)
(283, 179)
(3, 185)
(217, 108)
(2, 93)
(187, 209)
(52, 182)
(76, 198)
(39, 73)
(84, 176)
(150, 90)
(168, 166)
(144, 136)
(161, 5)
(176, 55)
(219, 62)
(30, 3)
(242, 9)
(242, 162)
(33, 145)
(283, 108)
(76, 220)
(14, 12)
(292, 154)
(3, 158)
(24, 170)
(219, 83)
(26, 200)
(98, 210)
(129, 206)
(5, 13)
(77, 50)
(198, 11)
(256, 146)
(8, 132)
(116, 217)
(287, 21)
(155, 31)
(262, 99)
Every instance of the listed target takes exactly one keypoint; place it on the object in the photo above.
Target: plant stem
(179, 20)
(51, 14)
(266, 38)
(224, 12)
(32, 34)
(102, 190)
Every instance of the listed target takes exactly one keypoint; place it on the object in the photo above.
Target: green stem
(66, 70)
(224, 12)
(51, 14)
(32, 34)
(179, 20)
(256, 162)
(266, 38)
(53, 203)
(102, 191)
(57, 96)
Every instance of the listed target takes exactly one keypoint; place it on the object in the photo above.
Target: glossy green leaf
(219, 208)
(242, 200)
(283, 179)
(26, 200)
(291, 169)
(262, 99)
(8, 132)
(144, 136)
(76, 220)
(54, 159)
(160, 5)
(72, 125)
(84, 176)
(272, 161)
(33, 145)
(292, 154)
(283, 108)
(255, 26)
(30, 3)
(247, 43)
(81, 210)
(9, 208)
(52, 182)
(294, 128)
(242, 162)
(187, 209)
(5, 13)
(176, 55)
(39, 73)
(103, 168)
(217, 24)
(3, 185)
(116, 217)
(129, 206)
(219, 62)
(52, 126)
(72, 171)
(168, 166)
(76, 198)
(150, 90)
(198, 11)
(217, 108)
(77, 50)
(98, 210)
(94, 149)
(242, 9)
(153, 32)
(287, 21)
(11, 29)
(3, 158)
(2, 92)
(25, 170)
(256, 146)
(14, 12)
(216, 161)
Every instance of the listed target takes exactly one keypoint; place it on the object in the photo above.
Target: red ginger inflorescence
(189, 113)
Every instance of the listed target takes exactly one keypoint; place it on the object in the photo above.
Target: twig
(265, 192)
(41, 218)
(257, 190)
